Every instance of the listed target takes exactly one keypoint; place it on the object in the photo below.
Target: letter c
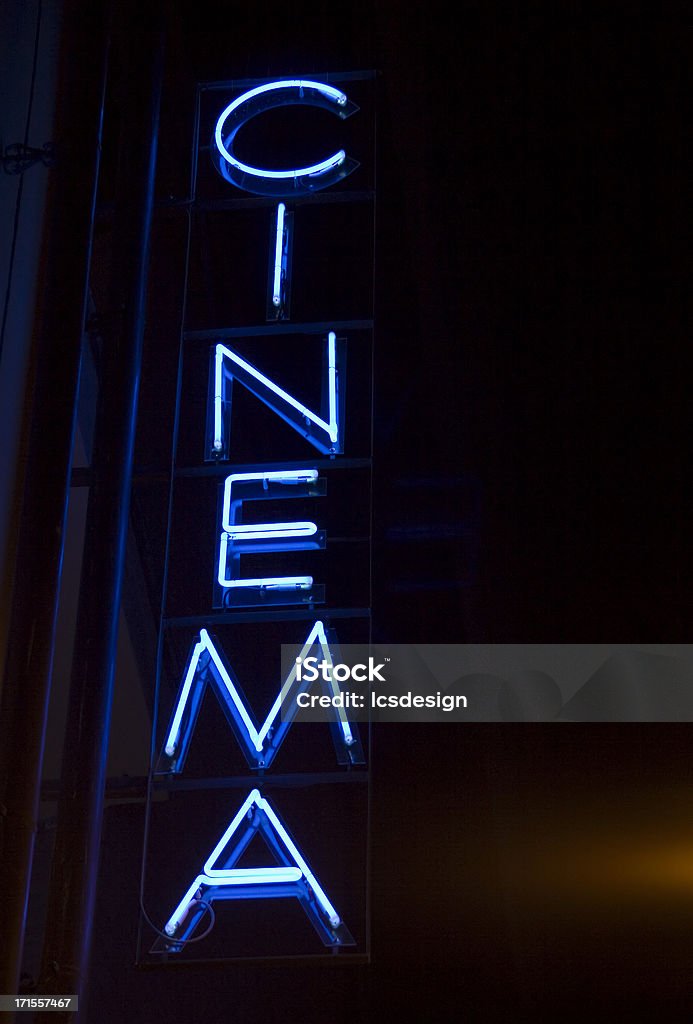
(296, 181)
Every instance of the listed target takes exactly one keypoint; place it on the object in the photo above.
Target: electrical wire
(183, 942)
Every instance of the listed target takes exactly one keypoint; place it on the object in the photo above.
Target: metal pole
(76, 856)
(55, 373)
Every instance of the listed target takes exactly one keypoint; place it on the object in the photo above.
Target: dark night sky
(528, 365)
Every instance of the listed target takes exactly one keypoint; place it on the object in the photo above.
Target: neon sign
(251, 550)
(280, 270)
(298, 180)
(323, 431)
(292, 878)
(259, 744)
(238, 538)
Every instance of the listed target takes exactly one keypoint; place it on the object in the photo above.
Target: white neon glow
(310, 878)
(316, 634)
(278, 252)
(281, 476)
(254, 876)
(218, 397)
(181, 910)
(257, 738)
(270, 531)
(332, 373)
(172, 738)
(238, 533)
(229, 876)
(259, 582)
(275, 583)
(298, 172)
(241, 813)
(331, 428)
(232, 877)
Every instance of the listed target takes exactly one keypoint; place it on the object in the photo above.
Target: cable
(20, 187)
(183, 942)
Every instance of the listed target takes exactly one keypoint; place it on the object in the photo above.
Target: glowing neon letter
(296, 181)
(259, 745)
(291, 876)
(279, 261)
(237, 538)
(322, 431)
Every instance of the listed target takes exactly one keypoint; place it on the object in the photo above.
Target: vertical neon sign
(256, 852)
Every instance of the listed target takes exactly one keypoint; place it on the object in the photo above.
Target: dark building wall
(29, 35)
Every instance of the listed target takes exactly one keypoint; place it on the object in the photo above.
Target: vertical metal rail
(54, 373)
(76, 856)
